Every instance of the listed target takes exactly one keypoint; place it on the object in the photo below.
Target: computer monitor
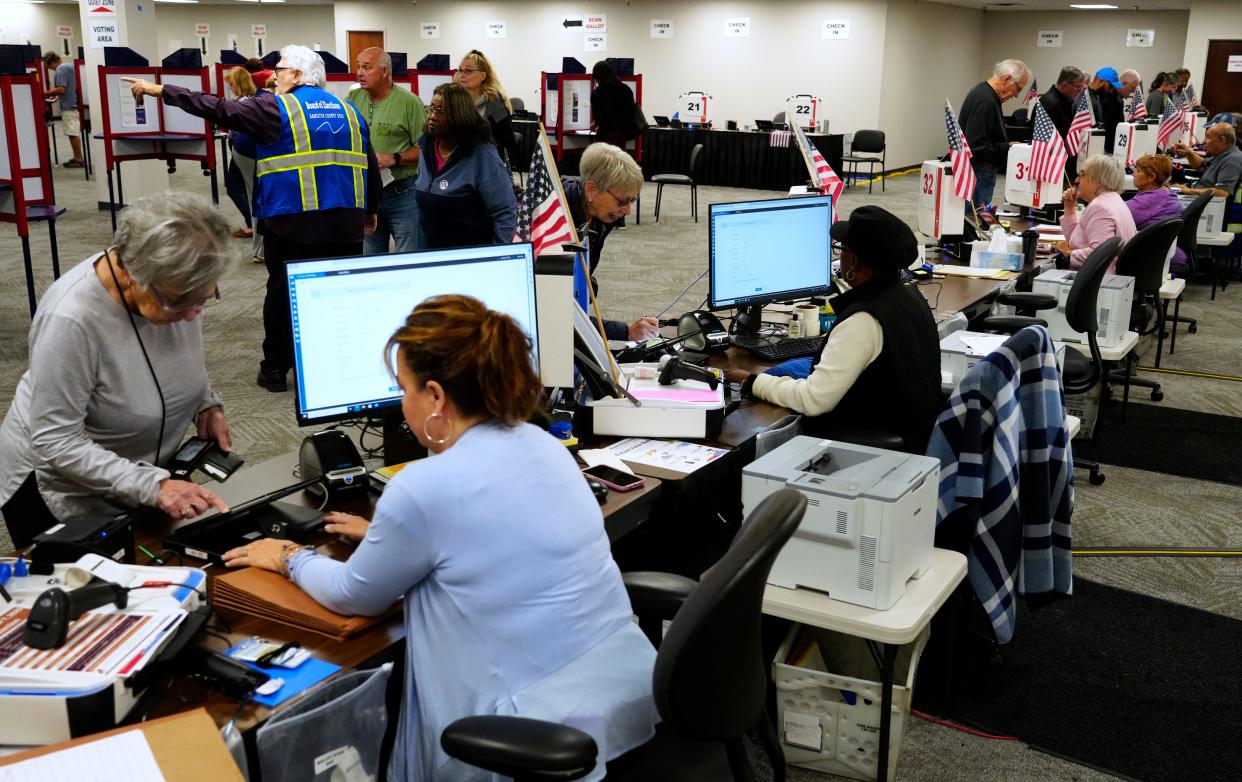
(345, 309)
(765, 251)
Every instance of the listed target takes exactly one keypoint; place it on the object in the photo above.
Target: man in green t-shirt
(396, 117)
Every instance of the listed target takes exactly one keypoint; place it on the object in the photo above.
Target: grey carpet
(644, 267)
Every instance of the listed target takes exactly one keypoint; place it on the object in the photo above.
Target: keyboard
(782, 349)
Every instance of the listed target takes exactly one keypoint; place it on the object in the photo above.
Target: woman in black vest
(879, 367)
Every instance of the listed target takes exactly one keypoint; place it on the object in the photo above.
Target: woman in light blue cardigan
(513, 604)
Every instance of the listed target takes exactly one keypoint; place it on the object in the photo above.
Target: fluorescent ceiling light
(179, 2)
(1088, 6)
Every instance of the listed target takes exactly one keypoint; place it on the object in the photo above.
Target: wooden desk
(893, 628)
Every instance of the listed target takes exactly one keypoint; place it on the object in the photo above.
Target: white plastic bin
(331, 733)
(830, 722)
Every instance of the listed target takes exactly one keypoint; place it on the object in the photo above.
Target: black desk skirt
(734, 158)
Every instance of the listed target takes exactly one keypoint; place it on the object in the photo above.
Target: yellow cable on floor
(1192, 374)
(904, 172)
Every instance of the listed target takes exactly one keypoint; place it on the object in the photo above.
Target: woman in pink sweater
(1099, 181)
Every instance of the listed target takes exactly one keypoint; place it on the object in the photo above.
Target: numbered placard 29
(803, 110)
(694, 107)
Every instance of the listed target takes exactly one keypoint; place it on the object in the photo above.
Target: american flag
(959, 156)
(1180, 100)
(543, 218)
(1081, 123)
(1032, 97)
(1191, 100)
(1170, 123)
(1048, 153)
(1138, 107)
(821, 173)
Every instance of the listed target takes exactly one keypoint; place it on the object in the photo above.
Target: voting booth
(430, 72)
(940, 210)
(149, 129)
(1131, 141)
(340, 77)
(804, 110)
(26, 191)
(1021, 189)
(565, 103)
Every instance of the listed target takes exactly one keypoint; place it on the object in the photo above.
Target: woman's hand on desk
(265, 553)
(346, 525)
(184, 500)
(1063, 248)
(736, 376)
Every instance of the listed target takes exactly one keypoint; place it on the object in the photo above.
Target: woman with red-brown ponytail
(513, 604)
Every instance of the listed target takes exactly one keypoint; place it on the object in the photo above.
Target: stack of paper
(674, 455)
(105, 642)
(265, 594)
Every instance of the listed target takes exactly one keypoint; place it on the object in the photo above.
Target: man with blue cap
(1108, 92)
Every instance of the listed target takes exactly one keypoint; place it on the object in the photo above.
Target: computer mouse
(599, 490)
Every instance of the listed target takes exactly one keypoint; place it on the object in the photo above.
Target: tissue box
(1011, 259)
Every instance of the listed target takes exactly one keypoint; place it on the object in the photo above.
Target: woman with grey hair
(609, 184)
(117, 375)
(1100, 181)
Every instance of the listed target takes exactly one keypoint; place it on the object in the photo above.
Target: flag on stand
(1191, 100)
(1048, 154)
(1170, 122)
(1032, 97)
(959, 156)
(1081, 123)
(543, 217)
(821, 173)
(1138, 107)
(1180, 101)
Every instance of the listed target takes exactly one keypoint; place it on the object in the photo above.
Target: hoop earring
(427, 427)
(849, 276)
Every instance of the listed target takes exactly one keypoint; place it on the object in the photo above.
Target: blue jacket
(469, 202)
(244, 143)
(319, 160)
(1007, 468)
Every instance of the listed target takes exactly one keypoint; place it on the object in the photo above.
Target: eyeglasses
(183, 305)
(623, 202)
(469, 70)
(280, 68)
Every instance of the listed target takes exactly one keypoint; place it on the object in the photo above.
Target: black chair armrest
(1036, 301)
(656, 595)
(1012, 323)
(874, 438)
(521, 747)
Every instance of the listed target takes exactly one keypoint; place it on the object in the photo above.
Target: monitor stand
(748, 321)
(400, 444)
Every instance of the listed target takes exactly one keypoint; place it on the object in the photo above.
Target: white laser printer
(1113, 307)
(870, 519)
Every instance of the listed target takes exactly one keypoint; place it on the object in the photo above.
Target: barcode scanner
(48, 623)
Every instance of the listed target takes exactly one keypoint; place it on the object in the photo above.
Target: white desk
(1171, 291)
(1222, 239)
(893, 628)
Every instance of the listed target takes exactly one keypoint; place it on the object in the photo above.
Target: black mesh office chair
(689, 180)
(1143, 259)
(1019, 117)
(1080, 373)
(1188, 242)
(870, 143)
(710, 680)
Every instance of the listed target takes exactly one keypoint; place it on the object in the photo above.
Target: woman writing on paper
(117, 375)
(513, 604)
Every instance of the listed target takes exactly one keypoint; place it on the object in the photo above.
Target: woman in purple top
(1154, 202)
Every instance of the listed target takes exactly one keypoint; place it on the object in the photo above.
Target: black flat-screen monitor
(765, 251)
(345, 309)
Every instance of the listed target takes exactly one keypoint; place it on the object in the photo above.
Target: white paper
(966, 271)
(125, 757)
(983, 344)
(803, 730)
(1141, 38)
(673, 455)
(429, 30)
(1235, 64)
(738, 27)
(497, 29)
(133, 115)
(595, 42)
(835, 29)
(597, 456)
(1048, 39)
(595, 24)
(661, 28)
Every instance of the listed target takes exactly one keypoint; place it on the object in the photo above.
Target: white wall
(1209, 19)
(918, 75)
(22, 22)
(304, 24)
(749, 77)
(1090, 40)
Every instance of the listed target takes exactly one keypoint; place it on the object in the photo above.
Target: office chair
(1188, 242)
(696, 155)
(518, 104)
(1080, 373)
(710, 680)
(1142, 258)
(870, 143)
(1019, 117)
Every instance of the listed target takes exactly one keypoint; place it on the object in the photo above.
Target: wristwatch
(287, 552)
(396, 156)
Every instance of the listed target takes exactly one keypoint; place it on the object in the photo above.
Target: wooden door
(360, 40)
(1222, 88)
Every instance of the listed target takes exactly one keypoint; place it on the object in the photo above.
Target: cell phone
(615, 479)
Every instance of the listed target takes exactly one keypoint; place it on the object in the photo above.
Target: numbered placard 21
(694, 107)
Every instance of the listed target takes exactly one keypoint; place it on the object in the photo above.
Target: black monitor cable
(134, 324)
